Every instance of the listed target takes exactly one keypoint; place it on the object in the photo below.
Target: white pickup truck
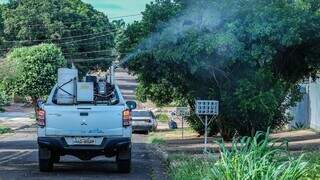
(84, 131)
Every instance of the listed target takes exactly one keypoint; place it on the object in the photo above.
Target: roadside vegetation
(249, 158)
(4, 130)
(37, 37)
(35, 70)
(313, 159)
(161, 136)
(4, 100)
(162, 117)
(249, 55)
(157, 140)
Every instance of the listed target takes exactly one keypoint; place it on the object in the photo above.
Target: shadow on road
(19, 158)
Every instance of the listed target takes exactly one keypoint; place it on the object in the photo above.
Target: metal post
(205, 134)
(112, 74)
(182, 127)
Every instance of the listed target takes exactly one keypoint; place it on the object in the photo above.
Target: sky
(115, 8)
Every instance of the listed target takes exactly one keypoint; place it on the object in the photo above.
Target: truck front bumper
(109, 147)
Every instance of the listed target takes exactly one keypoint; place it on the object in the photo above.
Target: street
(19, 155)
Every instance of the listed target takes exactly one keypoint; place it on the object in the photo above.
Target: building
(307, 112)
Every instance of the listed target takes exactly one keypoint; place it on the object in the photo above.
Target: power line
(65, 38)
(66, 29)
(82, 39)
(75, 22)
(97, 42)
(88, 60)
(89, 52)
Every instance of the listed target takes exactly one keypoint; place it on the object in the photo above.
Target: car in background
(143, 121)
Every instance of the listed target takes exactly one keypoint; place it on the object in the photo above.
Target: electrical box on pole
(207, 109)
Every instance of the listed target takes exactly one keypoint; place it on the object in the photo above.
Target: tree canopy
(82, 32)
(249, 55)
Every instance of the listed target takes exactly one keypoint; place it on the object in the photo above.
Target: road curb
(160, 152)
(161, 156)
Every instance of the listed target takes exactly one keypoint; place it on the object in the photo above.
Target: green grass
(249, 158)
(314, 165)
(4, 130)
(184, 167)
(154, 139)
(158, 141)
(162, 117)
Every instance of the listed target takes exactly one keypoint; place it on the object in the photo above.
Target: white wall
(307, 111)
(314, 96)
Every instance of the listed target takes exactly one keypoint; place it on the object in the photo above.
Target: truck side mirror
(131, 105)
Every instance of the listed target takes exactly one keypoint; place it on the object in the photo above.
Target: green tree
(157, 12)
(249, 55)
(1, 31)
(36, 70)
(74, 26)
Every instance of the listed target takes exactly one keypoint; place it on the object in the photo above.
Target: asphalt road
(19, 160)
(19, 155)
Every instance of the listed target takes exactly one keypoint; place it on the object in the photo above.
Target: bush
(162, 117)
(4, 130)
(36, 70)
(198, 126)
(248, 158)
(4, 100)
(255, 103)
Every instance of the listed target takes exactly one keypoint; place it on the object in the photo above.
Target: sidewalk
(301, 140)
(17, 117)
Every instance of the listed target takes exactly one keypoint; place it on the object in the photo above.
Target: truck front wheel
(45, 160)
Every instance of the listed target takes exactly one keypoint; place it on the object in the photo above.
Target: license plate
(84, 141)
(135, 123)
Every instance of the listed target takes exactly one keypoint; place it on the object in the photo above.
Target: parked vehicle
(98, 125)
(143, 121)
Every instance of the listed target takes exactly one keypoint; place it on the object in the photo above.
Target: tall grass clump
(313, 159)
(185, 167)
(248, 158)
(257, 158)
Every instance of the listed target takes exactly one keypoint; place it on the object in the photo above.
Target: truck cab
(85, 130)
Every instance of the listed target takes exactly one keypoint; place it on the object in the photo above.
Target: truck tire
(124, 166)
(45, 164)
(124, 161)
(56, 158)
